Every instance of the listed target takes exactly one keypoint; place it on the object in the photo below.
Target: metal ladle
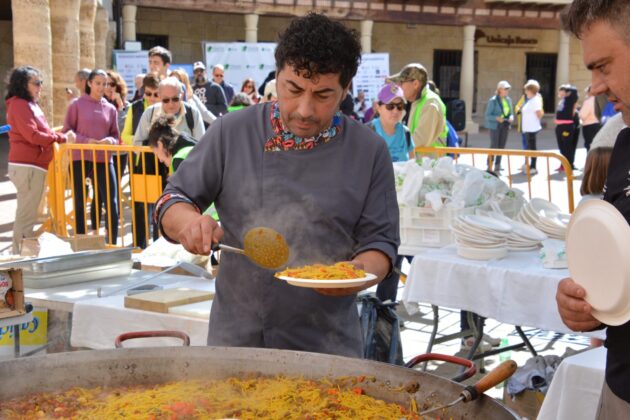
(263, 246)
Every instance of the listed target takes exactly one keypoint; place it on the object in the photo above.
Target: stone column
(86, 36)
(366, 36)
(64, 20)
(32, 44)
(129, 22)
(251, 28)
(562, 72)
(467, 77)
(101, 29)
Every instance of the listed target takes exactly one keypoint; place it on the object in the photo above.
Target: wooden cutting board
(162, 300)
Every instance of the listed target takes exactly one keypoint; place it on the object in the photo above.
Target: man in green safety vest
(427, 116)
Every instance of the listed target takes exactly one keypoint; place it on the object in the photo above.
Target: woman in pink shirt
(30, 151)
(94, 120)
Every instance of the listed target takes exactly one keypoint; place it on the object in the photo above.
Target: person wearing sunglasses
(210, 93)
(390, 105)
(249, 88)
(30, 148)
(187, 118)
(391, 109)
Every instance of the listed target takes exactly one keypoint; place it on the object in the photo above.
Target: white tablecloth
(576, 387)
(96, 322)
(515, 290)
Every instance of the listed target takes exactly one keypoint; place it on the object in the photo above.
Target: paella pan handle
(148, 334)
(495, 377)
(469, 364)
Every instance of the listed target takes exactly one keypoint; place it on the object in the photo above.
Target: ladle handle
(495, 377)
(221, 247)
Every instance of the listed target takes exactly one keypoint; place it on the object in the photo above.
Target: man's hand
(194, 231)
(574, 310)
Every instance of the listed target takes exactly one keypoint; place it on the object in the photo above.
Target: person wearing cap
(427, 116)
(210, 93)
(499, 116)
(391, 109)
(531, 112)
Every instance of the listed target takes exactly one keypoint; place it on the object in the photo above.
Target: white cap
(199, 65)
(503, 85)
(532, 82)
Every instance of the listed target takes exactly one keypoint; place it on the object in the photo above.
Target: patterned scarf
(284, 140)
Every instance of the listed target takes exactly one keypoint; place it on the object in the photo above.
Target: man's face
(607, 55)
(307, 106)
(156, 65)
(411, 88)
(151, 95)
(218, 75)
(200, 76)
(171, 98)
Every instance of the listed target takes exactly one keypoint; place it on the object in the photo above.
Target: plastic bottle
(503, 356)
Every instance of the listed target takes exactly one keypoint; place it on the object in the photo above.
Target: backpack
(381, 330)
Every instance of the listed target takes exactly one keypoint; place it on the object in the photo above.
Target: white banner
(242, 60)
(130, 63)
(371, 75)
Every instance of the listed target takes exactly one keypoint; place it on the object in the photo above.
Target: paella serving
(243, 398)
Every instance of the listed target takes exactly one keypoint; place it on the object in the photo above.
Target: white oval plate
(486, 223)
(598, 253)
(328, 284)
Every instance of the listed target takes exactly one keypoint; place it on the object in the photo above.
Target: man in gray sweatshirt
(322, 180)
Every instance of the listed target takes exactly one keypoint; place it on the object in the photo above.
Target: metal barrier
(83, 176)
(472, 156)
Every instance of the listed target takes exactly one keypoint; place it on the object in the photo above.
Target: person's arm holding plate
(377, 232)
(573, 308)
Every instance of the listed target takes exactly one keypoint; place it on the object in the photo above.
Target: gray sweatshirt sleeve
(378, 227)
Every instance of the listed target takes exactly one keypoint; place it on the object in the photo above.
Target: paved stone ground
(414, 335)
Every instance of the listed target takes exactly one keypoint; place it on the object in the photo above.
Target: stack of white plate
(480, 237)
(523, 237)
(546, 217)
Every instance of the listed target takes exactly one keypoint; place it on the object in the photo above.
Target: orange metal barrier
(483, 158)
(77, 165)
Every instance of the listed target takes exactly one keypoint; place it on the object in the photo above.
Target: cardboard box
(14, 277)
(30, 246)
(526, 404)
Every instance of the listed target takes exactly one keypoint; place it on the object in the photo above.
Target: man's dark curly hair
(18, 82)
(581, 14)
(315, 44)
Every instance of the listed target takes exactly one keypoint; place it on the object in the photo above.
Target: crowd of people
(291, 161)
(571, 119)
(99, 112)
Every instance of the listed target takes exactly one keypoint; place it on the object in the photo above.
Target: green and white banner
(242, 60)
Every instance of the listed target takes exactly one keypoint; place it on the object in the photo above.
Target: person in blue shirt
(391, 109)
